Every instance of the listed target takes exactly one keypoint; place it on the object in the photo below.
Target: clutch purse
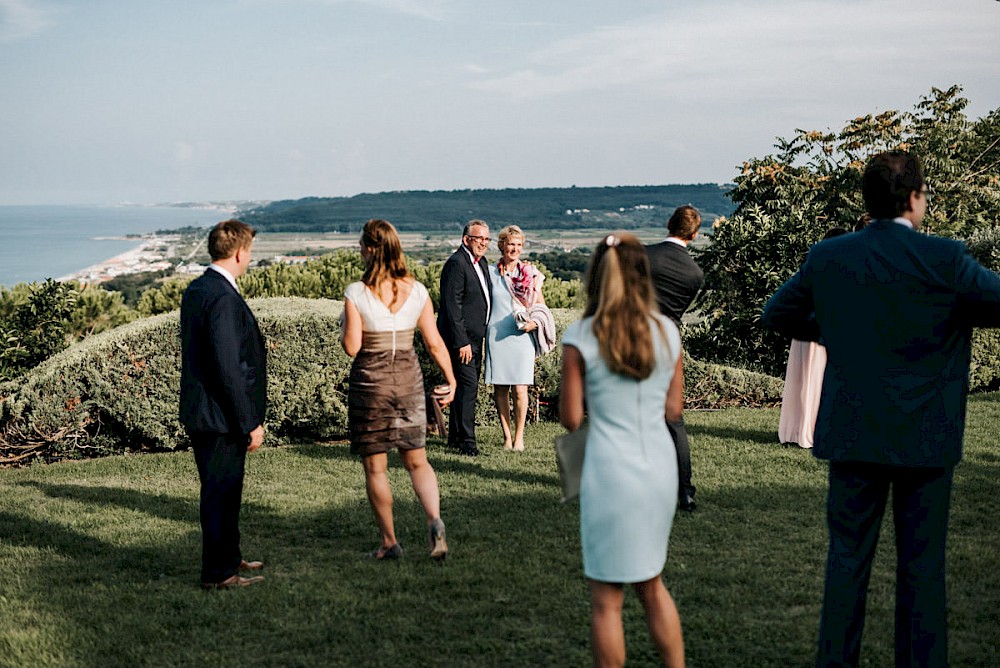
(570, 449)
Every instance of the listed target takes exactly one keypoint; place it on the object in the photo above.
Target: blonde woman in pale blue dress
(624, 359)
(510, 352)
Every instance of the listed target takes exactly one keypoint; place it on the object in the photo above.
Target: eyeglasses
(478, 238)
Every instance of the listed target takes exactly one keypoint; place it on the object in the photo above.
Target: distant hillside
(534, 208)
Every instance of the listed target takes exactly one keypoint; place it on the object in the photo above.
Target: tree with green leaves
(787, 200)
(33, 324)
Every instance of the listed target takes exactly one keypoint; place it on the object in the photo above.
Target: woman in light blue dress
(510, 352)
(624, 359)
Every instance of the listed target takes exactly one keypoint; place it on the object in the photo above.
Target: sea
(40, 242)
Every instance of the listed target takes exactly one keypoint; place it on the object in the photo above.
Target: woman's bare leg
(607, 635)
(663, 621)
(501, 397)
(521, 413)
(424, 481)
(380, 495)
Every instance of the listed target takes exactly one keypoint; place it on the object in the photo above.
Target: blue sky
(106, 101)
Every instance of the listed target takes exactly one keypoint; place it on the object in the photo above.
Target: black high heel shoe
(439, 546)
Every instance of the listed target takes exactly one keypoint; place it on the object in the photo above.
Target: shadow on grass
(488, 465)
(760, 436)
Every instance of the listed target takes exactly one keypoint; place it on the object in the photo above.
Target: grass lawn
(99, 561)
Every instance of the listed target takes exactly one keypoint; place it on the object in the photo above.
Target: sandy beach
(151, 253)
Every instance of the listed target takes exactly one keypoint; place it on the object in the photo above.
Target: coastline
(152, 253)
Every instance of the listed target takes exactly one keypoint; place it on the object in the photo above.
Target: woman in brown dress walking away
(386, 400)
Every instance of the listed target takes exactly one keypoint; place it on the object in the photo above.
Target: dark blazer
(223, 360)
(895, 309)
(463, 309)
(677, 278)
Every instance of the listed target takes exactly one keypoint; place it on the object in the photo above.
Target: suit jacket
(223, 360)
(895, 309)
(463, 310)
(677, 278)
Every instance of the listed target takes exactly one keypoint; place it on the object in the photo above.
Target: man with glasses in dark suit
(462, 317)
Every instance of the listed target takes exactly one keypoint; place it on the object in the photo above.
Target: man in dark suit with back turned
(895, 309)
(677, 279)
(223, 398)
(462, 317)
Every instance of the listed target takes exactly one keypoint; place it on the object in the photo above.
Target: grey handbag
(570, 449)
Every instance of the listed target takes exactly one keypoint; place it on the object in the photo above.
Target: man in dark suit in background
(677, 279)
(895, 309)
(462, 317)
(223, 398)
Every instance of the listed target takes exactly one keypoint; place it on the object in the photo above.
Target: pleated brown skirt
(386, 402)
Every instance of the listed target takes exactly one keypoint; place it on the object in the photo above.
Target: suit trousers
(680, 437)
(221, 460)
(462, 417)
(855, 506)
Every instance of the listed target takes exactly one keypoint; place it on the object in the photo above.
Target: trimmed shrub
(118, 391)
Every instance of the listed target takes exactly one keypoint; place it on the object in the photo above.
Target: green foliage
(786, 201)
(118, 391)
(536, 208)
(33, 324)
(131, 286)
(164, 298)
(566, 266)
(97, 310)
(984, 370)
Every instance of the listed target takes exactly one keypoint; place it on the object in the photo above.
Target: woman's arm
(571, 389)
(539, 279)
(351, 328)
(675, 393)
(437, 349)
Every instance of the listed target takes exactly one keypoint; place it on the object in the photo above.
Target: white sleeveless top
(377, 317)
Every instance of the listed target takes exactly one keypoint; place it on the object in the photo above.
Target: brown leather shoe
(233, 582)
(251, 565)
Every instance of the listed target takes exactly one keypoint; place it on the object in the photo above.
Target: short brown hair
(684, 223)
(888, 180)
(227, 236)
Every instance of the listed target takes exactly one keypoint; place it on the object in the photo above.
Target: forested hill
(620, 207)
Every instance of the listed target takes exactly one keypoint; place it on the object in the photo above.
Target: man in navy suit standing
(462, 318)
(223, 398)
(677, 278)
(895, 309)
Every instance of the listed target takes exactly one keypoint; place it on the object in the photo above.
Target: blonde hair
(385, 259)
(620, 299)
(508, 232)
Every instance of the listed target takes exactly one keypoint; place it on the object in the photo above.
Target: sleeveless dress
(510, 353)
(628, 489)
(385, 401)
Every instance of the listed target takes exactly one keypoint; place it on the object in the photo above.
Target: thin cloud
(20, 19)
(434, 10)
(740, 49)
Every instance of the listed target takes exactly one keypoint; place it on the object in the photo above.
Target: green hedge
(118, 391)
